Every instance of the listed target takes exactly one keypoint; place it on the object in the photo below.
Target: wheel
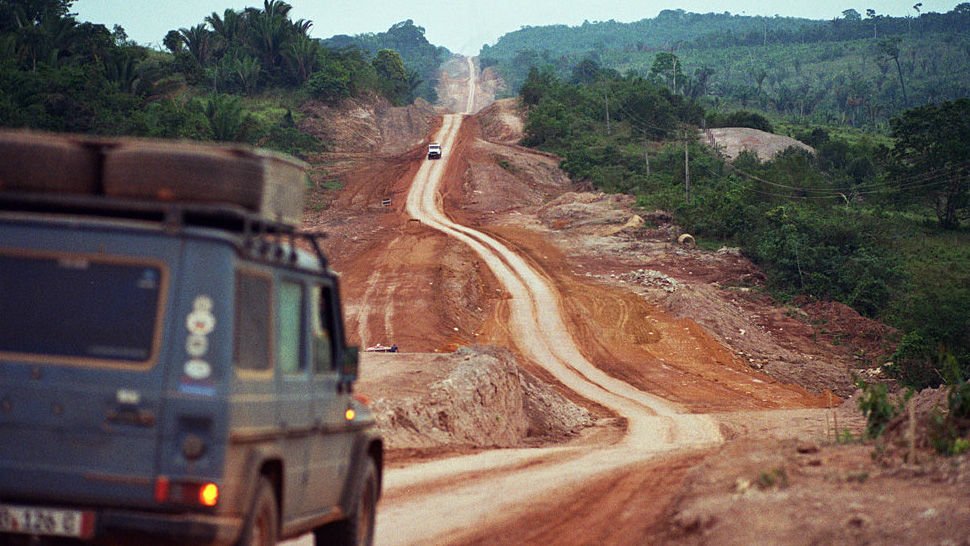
(358, 529)
(262, 522)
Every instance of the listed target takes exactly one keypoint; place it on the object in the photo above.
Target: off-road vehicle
(434, 151)
(172, 359)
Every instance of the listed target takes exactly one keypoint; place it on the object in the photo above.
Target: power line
(906, 183)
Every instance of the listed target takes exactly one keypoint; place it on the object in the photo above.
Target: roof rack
(263, 239)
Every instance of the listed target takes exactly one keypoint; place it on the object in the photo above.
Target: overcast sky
(460, 25)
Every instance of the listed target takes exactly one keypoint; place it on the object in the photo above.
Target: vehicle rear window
(71, 307)
(253, 320)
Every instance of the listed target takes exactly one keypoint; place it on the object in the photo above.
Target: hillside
(851, 70)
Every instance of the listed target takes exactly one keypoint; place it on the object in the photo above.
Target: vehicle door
(331, 448)
(296, 420)
(82, 363)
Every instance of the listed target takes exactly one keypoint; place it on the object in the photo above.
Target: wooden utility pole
(607, 99)
(646, 151)
(687, 165)
(646, 156)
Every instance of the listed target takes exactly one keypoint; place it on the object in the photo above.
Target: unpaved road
(452, 500)
(468, 490)
(611, 485)
(538, 265)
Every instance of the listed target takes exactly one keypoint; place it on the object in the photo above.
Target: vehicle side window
(291, 328)
(253, 320)
(322, 338)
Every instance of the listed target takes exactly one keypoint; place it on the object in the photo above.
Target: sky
(462, 26)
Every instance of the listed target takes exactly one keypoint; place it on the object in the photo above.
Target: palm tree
(198, 40)
(44, 40)
(227, 120)
(247, 69)
(274, 8)
(301, 55)
(889, 47)
(229, 27)
(302, 27)
(268, 36)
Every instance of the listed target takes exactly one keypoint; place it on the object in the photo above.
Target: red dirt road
(431, 273)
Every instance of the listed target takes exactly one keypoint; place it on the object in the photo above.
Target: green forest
(237, 76)
(855, 70)
(875, 218)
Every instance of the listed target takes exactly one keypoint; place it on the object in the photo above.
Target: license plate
(45, 521)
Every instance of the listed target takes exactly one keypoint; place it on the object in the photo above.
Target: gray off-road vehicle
(172, 359)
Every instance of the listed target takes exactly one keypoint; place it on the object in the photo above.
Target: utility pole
(646, 155)
(607, 99)
(646, 150)
(687, 165)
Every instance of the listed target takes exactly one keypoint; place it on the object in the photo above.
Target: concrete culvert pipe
(686, 239)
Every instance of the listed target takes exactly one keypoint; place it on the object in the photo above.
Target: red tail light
(204, 494)
(209, 494)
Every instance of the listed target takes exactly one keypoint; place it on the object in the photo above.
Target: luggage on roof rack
(269, 184)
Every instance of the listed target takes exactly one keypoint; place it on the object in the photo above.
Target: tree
(394, 77)
(173, 42)
(267, 34)
(301, 57)
(667, 68)
(536, 85)
(228, 122)
(586, 72)
(23, 13)
(871, 14)
(889, 47)
(851, 15)
(331, 83)
(229, 27)
(932, 160)
(198, 40)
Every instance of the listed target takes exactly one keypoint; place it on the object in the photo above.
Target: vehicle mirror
(349, 366)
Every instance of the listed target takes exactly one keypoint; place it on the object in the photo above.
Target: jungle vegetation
(239, 75)
(876, 221)
(854, 70)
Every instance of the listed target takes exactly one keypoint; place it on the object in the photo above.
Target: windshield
(71, 307)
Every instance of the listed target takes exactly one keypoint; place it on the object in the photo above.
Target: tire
(358, 529)
(262, 522)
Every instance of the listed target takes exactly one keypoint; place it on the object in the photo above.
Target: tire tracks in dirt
(475, 491)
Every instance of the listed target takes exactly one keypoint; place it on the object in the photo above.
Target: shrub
(948, 432)
(877, 407)
(741, 118)
(331, 83)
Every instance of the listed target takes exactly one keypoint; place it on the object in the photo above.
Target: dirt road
(468, 490)
(493, 246)
(458, 499)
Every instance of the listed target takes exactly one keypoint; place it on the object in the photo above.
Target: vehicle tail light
(209, 494)
(191, 493)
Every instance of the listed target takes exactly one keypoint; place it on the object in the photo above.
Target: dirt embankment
(731, 141)
(476, 397)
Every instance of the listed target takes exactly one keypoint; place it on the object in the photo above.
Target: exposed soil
(693, 326)
(731, 141)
